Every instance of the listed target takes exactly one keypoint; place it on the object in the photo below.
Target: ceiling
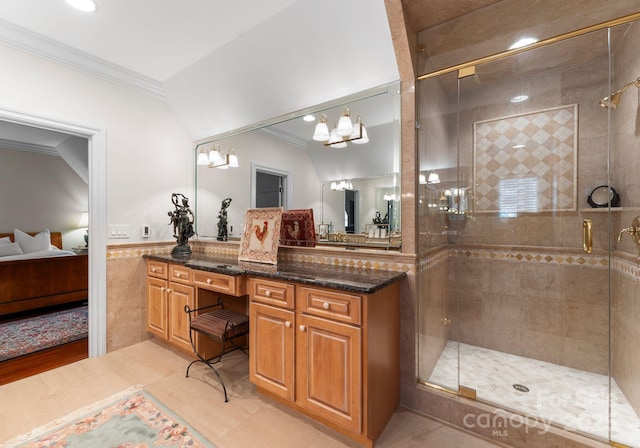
(265, 59)
(160, 49)
(155, 39)
(260, 59)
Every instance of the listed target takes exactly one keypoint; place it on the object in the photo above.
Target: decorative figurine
(222, 220)
(182, 220)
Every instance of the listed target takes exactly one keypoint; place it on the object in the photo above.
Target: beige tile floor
(248, 420)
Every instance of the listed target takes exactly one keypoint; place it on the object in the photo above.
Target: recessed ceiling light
(84, 5)
(519, 98)
(523, 42)
(309, 118)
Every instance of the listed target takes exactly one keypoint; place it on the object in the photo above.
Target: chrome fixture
(345, 131)
(612, 101)
(217, 158)
(633, 231)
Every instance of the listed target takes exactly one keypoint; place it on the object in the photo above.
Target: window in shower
(517, 196)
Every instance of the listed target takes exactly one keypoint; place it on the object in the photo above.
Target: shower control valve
(633, 231)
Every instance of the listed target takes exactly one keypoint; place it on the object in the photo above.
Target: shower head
(612, 101)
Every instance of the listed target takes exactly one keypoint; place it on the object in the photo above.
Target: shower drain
(521, 388)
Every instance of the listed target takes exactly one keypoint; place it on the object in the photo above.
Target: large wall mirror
(354, 190)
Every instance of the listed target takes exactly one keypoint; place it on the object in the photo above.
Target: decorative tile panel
(529, 157)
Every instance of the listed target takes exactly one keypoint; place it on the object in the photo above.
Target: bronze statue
(223, 233)
(182, 221)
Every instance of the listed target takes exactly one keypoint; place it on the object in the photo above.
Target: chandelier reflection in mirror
(341, 186)
(345, 131)
(215, 157)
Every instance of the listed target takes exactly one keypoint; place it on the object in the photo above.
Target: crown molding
(291, 139)
(31, 147)
(23, 39)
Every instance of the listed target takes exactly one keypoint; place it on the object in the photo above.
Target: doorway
(97, 145)
(350, 211)
(269, 190)
(270, 187)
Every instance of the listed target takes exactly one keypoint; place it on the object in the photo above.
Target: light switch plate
(118, 231)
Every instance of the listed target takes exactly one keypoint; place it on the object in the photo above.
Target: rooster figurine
(294, 231)
(261, 234)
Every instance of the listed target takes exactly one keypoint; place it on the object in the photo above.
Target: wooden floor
(43, 360)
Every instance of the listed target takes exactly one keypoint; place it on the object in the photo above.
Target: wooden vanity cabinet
(329, 354)
(169, 289)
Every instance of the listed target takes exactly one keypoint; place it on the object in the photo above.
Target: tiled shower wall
(545, 305)
(548, 306)
(625, 166)
(625, 332)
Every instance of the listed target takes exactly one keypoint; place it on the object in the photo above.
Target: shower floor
(572, 398)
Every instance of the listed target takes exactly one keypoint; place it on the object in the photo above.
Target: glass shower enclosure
(528, 278)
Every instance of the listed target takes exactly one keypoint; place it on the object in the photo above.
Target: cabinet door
(179, 296)
(271, 356)
(157, 307)
(329, 370)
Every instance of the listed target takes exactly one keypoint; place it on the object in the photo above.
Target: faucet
(633, 231)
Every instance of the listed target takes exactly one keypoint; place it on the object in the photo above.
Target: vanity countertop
(364, 281)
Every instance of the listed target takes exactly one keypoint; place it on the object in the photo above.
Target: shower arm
(614, 98)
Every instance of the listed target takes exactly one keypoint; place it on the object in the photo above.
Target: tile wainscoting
(126, 302)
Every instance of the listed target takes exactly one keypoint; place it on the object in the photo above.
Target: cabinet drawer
(178, 273)
(216, 282)
(274, 293)
(157, 269)
(331, 305)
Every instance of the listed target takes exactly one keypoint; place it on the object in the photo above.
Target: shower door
(527, 300)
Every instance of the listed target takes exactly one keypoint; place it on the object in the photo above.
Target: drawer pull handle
(325, 305)
(267, 293)
(179, 275)
(287, 324)
(302, 328)
(209, 281)
(162, 288)
(154, 269)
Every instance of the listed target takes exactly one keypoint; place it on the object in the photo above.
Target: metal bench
(222, 326)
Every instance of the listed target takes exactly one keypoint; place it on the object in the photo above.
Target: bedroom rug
(31, 334)
(132, 418)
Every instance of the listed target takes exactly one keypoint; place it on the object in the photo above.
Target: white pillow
(29, 243)
(5, 240)
(10, 249)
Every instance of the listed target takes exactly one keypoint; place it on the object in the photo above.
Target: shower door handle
(587, 238)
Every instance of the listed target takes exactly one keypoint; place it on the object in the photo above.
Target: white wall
(149, 153)
(214, 184)
(41, 192)
(309, 53)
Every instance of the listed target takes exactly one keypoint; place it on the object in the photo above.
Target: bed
(42, 278)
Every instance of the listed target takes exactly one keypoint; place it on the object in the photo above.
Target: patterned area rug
(31, 334)
(131, 419)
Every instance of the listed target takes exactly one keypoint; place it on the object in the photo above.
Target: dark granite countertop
(364, 281)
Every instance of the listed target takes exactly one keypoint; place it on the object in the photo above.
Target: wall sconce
(433, 178)
(341, 186)
(84, 224)
(345, 131)
(217, 158)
